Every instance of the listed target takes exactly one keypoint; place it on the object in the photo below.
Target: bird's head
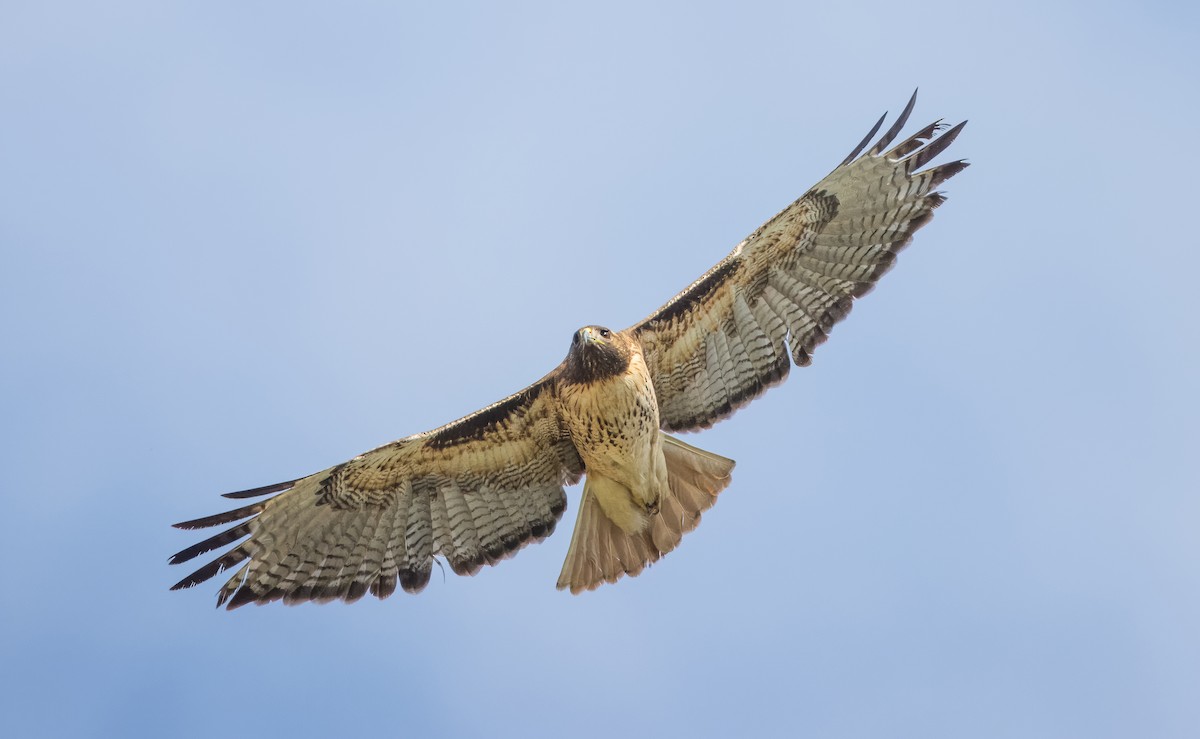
(597, 352)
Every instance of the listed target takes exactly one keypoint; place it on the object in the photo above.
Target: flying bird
(477, 490)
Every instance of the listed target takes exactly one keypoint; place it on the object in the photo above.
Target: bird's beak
(592, 336)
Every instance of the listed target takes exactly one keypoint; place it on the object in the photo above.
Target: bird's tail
(602, 552)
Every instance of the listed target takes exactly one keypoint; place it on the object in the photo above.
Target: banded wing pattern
(726, 338)
(474, 491)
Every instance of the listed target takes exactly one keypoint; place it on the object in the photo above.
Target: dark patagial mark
(694, 295)
(476, 426)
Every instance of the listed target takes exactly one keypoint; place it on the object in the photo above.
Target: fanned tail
(602, 552)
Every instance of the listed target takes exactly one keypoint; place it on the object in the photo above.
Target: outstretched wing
(474, 491)
(723, 341)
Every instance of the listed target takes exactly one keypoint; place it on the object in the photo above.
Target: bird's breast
(613, 421)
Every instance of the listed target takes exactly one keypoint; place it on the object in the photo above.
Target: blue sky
(245, 242)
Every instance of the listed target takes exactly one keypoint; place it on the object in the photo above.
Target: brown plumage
(477, 490)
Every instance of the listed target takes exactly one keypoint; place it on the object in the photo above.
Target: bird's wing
(725, 339)
(475, 491)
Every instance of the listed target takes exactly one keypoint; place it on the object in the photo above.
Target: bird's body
(611, 414)
(478, 489)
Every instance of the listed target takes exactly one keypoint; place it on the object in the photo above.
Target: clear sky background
(247, 241)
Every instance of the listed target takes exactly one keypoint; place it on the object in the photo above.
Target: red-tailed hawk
(477, 490)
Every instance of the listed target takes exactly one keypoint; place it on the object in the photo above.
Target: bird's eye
(604, 333)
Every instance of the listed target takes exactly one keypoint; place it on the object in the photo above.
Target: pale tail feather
(601, 552)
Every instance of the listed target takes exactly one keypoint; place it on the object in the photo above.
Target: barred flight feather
(381, 518)
(797, 274)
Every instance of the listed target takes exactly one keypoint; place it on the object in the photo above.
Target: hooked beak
(591, 336)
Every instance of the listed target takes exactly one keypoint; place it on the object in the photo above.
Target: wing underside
(737, 330)
(474, 491)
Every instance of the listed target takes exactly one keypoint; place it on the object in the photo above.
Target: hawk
(477, 490)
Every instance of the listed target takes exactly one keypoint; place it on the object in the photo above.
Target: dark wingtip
(866, 140)
(896, 127)
(213, 542)
(265, 490)
(383, 585)
(213, 568)
(240, 598)
(221, 518)
(923, 156)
